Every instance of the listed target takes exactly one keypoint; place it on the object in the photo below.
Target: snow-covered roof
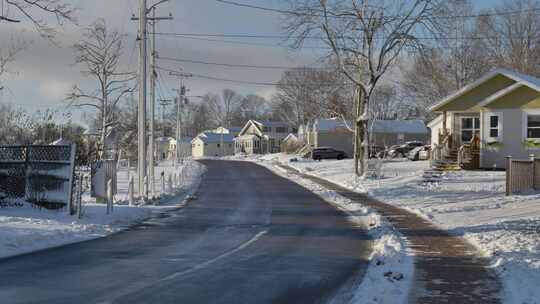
(328, 124)
(210, 137)
(520, 79)
(291, 137)
(267, 123)
(400, 126)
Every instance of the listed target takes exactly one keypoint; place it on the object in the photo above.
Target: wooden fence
(522, 175)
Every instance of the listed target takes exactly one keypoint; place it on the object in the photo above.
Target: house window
(281, 129)
(494, 126)
(533, 126)
(470, 126)
(267, 129)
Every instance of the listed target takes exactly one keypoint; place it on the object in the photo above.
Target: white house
(259, 137)
(496, 116)
(212, 144)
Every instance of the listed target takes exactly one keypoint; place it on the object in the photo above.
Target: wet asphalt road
(251, 237)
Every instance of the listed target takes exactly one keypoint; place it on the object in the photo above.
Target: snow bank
(28, 229)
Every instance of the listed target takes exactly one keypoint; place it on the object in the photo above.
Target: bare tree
(252, 107)
(304, 94)
(32, 9)
(224, 108)
(366, 38)
(99, 52)
(513, 40)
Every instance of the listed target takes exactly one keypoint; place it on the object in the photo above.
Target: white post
(162, 183)
(175, 177)
(170, 185)
(131, 190)
(109, 197)
(79, 196)
(145, 189)
(152, 100)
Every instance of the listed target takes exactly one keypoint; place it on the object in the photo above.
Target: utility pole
(153, 76)
(143, 52)
(142, 101)
(163, 103)
(180, 104)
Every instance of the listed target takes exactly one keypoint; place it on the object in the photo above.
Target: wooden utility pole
(142, 101)
(180, 104)
(143, 52)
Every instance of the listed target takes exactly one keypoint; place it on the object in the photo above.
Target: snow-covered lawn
(28, 229)
(467, 203)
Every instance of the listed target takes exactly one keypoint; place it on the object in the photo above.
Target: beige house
(331, 132)
(260, 137)
(496, 116)
(290, 144)
(166, 148)
(209, 144)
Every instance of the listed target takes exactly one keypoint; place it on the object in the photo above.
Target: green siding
(523, 97)
(471, 98)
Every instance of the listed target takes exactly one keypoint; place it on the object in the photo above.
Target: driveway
(250, 237)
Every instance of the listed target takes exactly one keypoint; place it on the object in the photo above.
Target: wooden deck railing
(522, 175)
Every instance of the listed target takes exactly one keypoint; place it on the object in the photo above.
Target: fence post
(109, 196)
(532, 175)
(131, 190)
(169, 185)
(73, 151)
(79, 197)
(145, 189)
(508, 175)
(175, 180)
(162, 183)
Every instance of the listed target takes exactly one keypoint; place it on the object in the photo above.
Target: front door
(469, 127)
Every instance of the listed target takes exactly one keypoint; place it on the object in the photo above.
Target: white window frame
(525, 120)
(489, 138)
(461, 129)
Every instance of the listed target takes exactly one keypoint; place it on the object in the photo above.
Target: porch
(458, 145)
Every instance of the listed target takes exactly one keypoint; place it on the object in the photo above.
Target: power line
(273, 84)
(247, 43)
(284, 37)
(268, 9)
(271, 67)
(223, 79)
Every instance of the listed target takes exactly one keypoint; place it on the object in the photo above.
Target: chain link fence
(41, 175)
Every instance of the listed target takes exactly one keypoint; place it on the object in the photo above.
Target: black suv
(327, 153)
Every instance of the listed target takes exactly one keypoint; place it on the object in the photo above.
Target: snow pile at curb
(390, 273)
(27, 229)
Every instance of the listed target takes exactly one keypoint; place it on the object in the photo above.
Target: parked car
(403, 150)
(327, 153)
(419, 153)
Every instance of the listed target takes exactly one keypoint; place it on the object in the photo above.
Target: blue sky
(44, 73)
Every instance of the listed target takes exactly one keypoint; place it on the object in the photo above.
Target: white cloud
(53, 89)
